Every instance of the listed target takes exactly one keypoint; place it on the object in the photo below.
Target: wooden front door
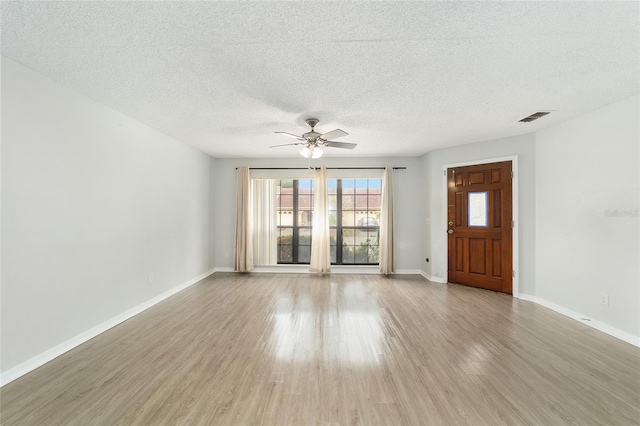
(480, 226)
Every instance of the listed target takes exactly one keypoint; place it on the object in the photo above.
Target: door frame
(514, 207)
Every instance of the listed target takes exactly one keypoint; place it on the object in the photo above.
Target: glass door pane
(478, 208)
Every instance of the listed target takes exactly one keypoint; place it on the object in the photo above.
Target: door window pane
(478, 208)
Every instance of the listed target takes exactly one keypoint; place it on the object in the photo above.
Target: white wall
(407, 185)
(434, 218)
(213, 185)
(92, 203)
(586, 169)
(428, 177)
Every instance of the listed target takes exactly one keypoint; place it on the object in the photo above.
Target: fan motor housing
(311, 136)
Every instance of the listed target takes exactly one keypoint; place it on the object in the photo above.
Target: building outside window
(354, 218)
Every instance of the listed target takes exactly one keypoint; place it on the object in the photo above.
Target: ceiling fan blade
(345, 145)
(337, 133)
(287, 144)
(300, 138)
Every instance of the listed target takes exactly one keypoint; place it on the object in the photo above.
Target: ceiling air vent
(534, 116)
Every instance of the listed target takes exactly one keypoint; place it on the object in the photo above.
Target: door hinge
(444, 172)
(513, 224)
(513, 273)
(511, 175)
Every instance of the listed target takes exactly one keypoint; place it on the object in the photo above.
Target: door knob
(450, 231)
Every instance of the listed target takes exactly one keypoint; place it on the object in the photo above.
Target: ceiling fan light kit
(313, 141)
(311, 152)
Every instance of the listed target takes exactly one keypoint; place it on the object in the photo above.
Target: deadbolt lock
(450, 223)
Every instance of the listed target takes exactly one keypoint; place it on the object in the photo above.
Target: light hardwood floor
(345, 349)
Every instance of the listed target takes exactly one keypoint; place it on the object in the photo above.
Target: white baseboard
(584, 319)
(48, 355)
(282, 269)
(335, 269)
(527, 297)
(408, 272)
(433, 279)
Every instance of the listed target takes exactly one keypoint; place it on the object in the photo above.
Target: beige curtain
(244, 237)
(320, 248)
(265, 221)
(387, 228)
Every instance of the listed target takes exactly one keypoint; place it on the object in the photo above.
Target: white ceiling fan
(313, 142)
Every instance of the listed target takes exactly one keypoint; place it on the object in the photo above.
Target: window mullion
(339, 222)
(367, 219)
(294, 248)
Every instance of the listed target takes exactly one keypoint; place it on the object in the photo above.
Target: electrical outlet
(604, 299)
(150, 279)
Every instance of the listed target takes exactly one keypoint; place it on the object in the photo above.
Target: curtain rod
(328, 168)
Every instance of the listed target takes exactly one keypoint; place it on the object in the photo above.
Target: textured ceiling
(401, 78)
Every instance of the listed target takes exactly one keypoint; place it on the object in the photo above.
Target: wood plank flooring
(293, 349)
